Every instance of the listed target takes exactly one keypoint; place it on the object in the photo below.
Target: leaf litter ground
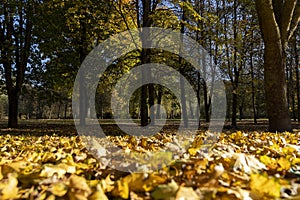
(49, 161)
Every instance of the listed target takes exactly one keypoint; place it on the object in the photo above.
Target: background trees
(44, 43)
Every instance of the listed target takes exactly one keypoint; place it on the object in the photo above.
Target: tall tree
(66, 42)
(296, 57)
(278, 21)
(16, 29)
(182, 84)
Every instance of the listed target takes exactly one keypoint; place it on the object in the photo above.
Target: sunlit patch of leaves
(241, 165)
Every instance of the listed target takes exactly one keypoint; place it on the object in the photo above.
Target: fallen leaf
(58, 189)
(186, 193)
(165, 191)
(60, 169)
(8, 187)
(261, 185)
(98, 194)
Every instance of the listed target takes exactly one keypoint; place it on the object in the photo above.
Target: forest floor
(46, 159)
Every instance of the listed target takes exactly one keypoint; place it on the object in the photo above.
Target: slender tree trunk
(183, 102)
(58, 112)
(82, 86)
(50, 113)
(182, 84)
(159, 98)
(191, 109)
(230, 109)
(288, 85)
(151, 101)
(297, 76)
(205, 95)
(66, 109)
(253, 88)
(13, 109)
(292, 90)
(145, 58)
(241, 111)
(234, 107)
(144, 91)
(199, 35)
(198, 99)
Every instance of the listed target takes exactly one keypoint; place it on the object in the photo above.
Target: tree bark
(275, 86)
(13, 109)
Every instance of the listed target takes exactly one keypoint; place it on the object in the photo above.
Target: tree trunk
(275, 85)
(288, 85)
(144, 60)
(15, 50)
(253, 88)
(13, 109)
(191, 109)
(292, 90)
(278, 21)
(66, 109)
(241, 112)
(234, 108)
(58, 112)
(159, 98)
(183, 102)
(144, 90)
(82, 86)
(205, 95)
(198, 113)
(297, 77)
(151, 101)
(182, 85)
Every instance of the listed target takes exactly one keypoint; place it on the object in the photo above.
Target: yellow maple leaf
(98, 194)
(9, 187)
(58, 189)
(121, 190)
(137, 182)
(60, 169)
(78, 182)
(284, 164)
(268, 161)
(193, 151)
(262, 185)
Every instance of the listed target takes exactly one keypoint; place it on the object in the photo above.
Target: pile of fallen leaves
(241, 165)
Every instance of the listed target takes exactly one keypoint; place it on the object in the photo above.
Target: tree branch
(287, 15)
(267, 21)
(295, 20)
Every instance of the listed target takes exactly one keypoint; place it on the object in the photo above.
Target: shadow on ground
(67, 127)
